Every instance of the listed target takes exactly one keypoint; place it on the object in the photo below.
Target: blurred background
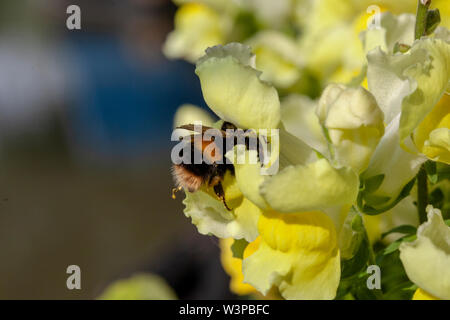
(85, 123)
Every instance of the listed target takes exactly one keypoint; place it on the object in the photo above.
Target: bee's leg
(218, 189)
(175, 190)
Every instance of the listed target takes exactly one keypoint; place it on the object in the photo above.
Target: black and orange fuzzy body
(192, 177)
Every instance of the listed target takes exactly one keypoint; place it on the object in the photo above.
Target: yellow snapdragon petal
(396, 164)
(308, 187)
(278, 56)
(233, 267)
(432, 136)
(210, 216)
(354, 123)
(393, 29)
(334, 55)
(438, 145)
(249, 178)
(427, 259)
(188, 114)
(197, 27)
(298, 254)
(386, 80)
(271, 13)
(299, 119)
(234, 90)
(432, 77)
(423, 295)
(250, 173)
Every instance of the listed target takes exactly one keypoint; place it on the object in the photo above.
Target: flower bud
(354, 124)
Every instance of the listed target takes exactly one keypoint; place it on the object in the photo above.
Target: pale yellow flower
(432, 136)
(420, 294)
(427, 259)
(197, 27)
(233, 267)
(297, 253)
(354, 123)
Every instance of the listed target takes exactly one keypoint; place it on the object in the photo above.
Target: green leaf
(394, 281)
(405, 229)
(363, 293)
(372, 210)
(374, 200)
(396, 244)
(238, 248)
(392, 247)
(403, 291)
(373, 183)
(433, 21)
(447, 222)
(359, 245)
(357, 224)
(358, 262)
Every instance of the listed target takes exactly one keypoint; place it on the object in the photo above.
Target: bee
(211, 172)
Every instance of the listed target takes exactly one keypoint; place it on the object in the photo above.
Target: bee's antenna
(175, 190)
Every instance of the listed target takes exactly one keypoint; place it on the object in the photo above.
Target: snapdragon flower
(355, 150)
(299, 195)
(427, 259)
(331, 33)
(233, 267)
(297, 253)
(354, 124)
(415, 86)
(410, 88)
(198, 25)
(279, 57)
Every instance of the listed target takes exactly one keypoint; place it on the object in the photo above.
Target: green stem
(421, 18)
(422, 194)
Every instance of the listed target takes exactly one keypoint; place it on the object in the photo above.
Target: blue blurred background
(85, 123)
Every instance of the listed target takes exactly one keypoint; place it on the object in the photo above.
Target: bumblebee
(210, 171)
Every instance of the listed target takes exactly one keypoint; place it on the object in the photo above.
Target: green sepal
(373, 183)
(396, 244)
(359, 247)
(404, 229)
(372, 208)
(238, 247)
(433, 21)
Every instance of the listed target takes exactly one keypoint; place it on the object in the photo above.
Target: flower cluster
(363, 116)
